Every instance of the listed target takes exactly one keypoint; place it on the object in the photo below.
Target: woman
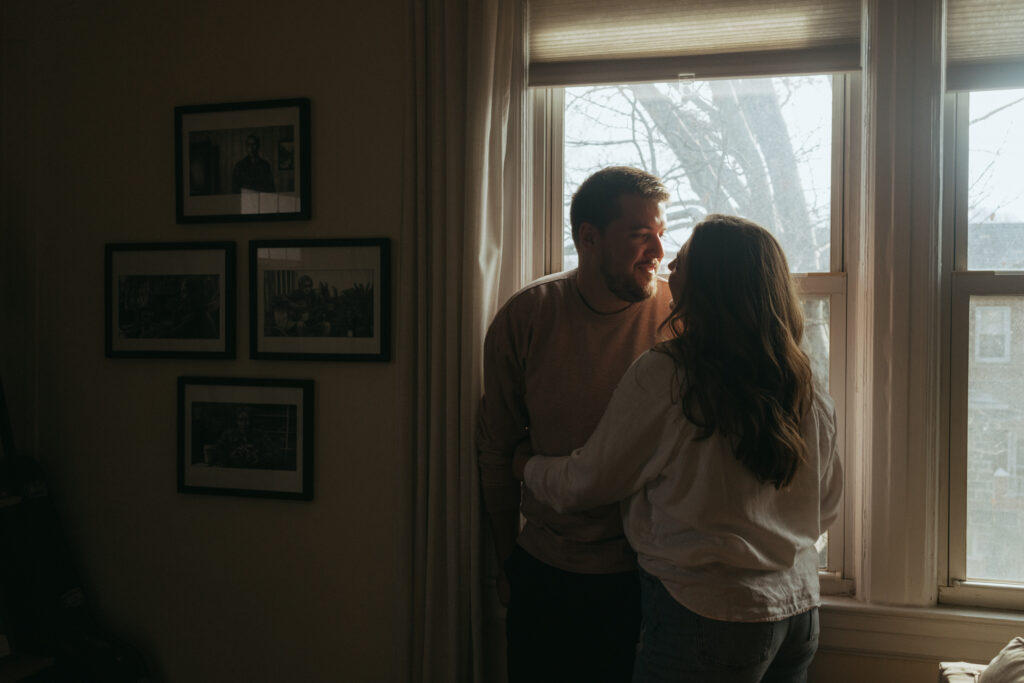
(724, 457)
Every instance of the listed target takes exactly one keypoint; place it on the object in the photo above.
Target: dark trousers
(566, 627)
(679, 646)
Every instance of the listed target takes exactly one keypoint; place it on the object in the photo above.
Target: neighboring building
(995, 413)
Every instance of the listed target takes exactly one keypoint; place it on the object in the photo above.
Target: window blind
(984, 44)
(577, 42)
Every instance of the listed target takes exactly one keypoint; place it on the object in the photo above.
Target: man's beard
(626, 287)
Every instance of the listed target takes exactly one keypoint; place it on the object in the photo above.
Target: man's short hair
(597, 199)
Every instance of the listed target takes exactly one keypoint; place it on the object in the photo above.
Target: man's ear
(588, 237)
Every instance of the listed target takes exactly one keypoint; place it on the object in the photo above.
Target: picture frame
(243, 161)
(170, 300)
(320, 299)
(246, 437)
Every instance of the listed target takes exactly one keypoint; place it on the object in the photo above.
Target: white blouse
(726, 546)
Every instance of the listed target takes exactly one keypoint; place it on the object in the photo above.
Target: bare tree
(723, 146)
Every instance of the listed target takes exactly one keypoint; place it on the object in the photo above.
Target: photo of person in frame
(244, 435)
(252, 172)
(169, 306)
(318, 303)
(237, 160)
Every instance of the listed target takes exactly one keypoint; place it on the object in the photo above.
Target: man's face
(251, 146)
(629, 251)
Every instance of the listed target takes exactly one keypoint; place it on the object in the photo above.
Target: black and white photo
(318, 303)
(245, 436)
(170, 300)
(319, 299)
(243, 161)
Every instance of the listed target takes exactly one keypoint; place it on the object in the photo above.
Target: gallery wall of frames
(323, 300)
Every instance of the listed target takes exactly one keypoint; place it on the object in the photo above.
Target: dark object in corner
(44, 617)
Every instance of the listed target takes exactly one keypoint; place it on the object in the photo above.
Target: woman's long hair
(737, 328)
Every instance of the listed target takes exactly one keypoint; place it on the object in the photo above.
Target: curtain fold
(458, 251)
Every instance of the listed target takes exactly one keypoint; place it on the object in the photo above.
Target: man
(552, 358)
(252, 172)
(307, 311)
(195, 316)
(240, 446)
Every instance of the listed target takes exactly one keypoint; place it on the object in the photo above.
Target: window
(991, 333)
(901, 317)
(987, 370)
(770, 149)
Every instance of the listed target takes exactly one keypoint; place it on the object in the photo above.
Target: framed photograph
(245, 437)
(243, 161)
(320, 299)
(170, 300)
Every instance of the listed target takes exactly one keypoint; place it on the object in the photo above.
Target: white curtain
(458, 254)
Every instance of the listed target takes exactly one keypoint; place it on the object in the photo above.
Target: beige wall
(213, 588)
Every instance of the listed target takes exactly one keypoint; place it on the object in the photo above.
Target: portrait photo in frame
(320, 299)
(245, 437)
(242, 161)
(170, 300)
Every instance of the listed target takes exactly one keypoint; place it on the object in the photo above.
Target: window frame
(546, 144)
(900, 291)
(954, 587)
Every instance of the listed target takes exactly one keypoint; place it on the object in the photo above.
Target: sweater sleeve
(503, 419)
(622, 453)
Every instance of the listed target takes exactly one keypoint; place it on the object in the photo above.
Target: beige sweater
(550, 366)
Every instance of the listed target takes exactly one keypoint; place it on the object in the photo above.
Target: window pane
(816, 345)
(995, 427)
(822, 547)
(760, 148)
(995, 198)
(816, 336)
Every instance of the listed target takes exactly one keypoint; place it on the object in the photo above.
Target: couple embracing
(667, 448)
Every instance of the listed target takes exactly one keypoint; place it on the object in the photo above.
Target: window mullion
(959, 344)
(556, 182)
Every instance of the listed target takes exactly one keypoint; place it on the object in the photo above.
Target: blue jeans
(677, 645)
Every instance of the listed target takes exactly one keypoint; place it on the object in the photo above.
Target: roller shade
(576, 42)
(984, 44)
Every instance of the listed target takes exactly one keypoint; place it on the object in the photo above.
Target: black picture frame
(246, 437)
(243, 161)
(320, 299)
(170, 299)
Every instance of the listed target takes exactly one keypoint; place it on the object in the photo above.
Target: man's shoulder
(541, 303)
(550, 288)
(553, 283)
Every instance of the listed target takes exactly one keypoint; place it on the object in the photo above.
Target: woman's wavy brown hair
(737, 328)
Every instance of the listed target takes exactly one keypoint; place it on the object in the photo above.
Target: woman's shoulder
(822, 414)
(658, 358)
(653, 369)
(822, 402)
